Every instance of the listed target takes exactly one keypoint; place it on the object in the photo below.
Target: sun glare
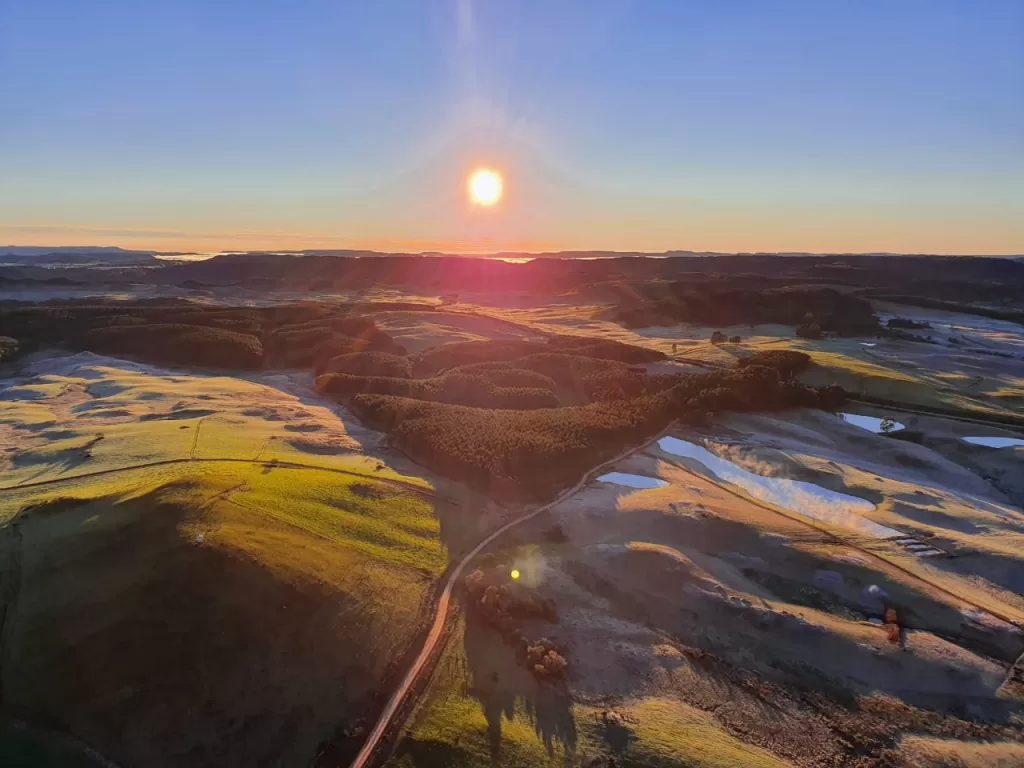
(484, 187)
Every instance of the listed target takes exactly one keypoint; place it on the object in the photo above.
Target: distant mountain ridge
(72, 254)
(38, 254)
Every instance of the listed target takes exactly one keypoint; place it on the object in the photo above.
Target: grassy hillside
(200, 570)
(481, 710)
(248, 646)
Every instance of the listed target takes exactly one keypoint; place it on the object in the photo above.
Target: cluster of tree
(369, 364)
(717, 337)
(493, 597)
(606, 349)
(515, 455)
(175, 344)
(502, 605)
(533, 454)
(506, 375)
(810, 331)
(788, 362)
(573, 371)
(176, 332)
(906, 324)
(461, 353)
(312, 344)
(500, 374)
(623, 383)
(8, 348)
(545, 662)
(724, 304)
(433, 361)
(478, 388)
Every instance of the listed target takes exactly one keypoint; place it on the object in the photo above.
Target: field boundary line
(228, 460)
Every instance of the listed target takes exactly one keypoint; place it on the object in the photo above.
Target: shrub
(513, 454)
(788, 362)
(313, 344)
(8, 348)
(172, 344)
(809, 331)
(902, 322)
(831, 397)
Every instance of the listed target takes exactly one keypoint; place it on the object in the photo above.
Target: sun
(484, 187)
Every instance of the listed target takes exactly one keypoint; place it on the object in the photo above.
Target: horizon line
(524, 253)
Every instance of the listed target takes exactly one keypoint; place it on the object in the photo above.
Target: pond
(994, 442)
(633, 481)
(797, 496)
(870, 423)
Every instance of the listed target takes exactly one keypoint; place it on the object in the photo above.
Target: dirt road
(441, 616)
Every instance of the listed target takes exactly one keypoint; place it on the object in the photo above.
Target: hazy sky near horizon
(794, 125)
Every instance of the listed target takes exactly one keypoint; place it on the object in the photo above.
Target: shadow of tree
(500, 683)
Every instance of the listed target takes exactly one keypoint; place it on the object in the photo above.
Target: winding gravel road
(441, 616)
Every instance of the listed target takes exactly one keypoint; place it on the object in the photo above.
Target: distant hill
(78, 254)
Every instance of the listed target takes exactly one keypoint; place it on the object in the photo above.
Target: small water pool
(633, 481)
(870, 423)
(994, 442)
(798, 496)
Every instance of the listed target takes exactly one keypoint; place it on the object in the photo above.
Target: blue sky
(718, 125)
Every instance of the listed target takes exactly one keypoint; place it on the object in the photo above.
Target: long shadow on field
(652, 590)
(499, 683)
(158, 650)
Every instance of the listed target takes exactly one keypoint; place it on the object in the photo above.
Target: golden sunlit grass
(485, 187)
(450, 727)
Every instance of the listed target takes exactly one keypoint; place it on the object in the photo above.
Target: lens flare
(484, 187)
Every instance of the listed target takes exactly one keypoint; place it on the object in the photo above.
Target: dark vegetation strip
(811, 308)
(530, 455)
(994, 313)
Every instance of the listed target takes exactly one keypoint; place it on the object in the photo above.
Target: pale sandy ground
(692, 564)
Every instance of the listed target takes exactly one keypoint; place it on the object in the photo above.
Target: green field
(170, 599)
(481, 709)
